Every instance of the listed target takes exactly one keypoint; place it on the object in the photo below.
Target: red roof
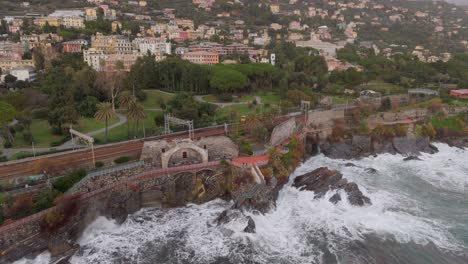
(461, 91)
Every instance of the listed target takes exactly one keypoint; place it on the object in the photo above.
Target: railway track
(83, 157)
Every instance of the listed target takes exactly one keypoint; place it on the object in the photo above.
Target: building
(11, 49)
(90, 13)
(24, 73)
(152, 45)
(111, 44)
(275, 8)
(462, 93)
(51, 21)
(421, 94)
(113, 62)
(74, 46)
(8, 64)
(94, 58)
(116, 26)
(202, 57)
(73, 22)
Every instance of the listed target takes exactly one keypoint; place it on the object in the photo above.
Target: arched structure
(184, 153)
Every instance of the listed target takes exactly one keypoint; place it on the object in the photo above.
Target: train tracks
(83, 157)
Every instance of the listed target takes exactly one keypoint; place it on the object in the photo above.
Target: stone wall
(282, 132)
(162, 152)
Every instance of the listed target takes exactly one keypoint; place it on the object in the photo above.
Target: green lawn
(213, 99)
(383, 87)
(42, 132)
(154, 97)
(269, 98)
(120, 133)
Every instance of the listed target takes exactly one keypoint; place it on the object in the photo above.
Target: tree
(111, 83)
(105, 112)
(126, 100)
(225, 79)
(8, 112)
(386, 104)
(136, 112)
(39, 59)
(10, 78)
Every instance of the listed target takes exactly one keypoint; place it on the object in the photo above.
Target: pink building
(462, 93)
(202, 57)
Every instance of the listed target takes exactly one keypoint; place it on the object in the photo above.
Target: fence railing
(116, 186)
(105, 171)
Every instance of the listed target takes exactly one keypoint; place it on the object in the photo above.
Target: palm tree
(136, 112)
(104, 113)
(125, 101)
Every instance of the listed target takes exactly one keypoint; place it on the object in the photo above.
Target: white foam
(286, 233)
(43, 258)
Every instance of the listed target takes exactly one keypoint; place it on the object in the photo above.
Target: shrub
(401, 130)
(63, 184)
(224, 97)
(123, 159)
(22, 206)
(246, 148)
(46, 199)
(3, 159)
(40, 113)
(27, 136)
(99, 164)
(7, 144)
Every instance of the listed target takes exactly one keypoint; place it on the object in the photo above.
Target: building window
(184, 154)
(204, 146)
(163, 150)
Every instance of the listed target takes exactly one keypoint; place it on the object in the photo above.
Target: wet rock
(250, 228)
(371, 170)
(58, 246)
(322, 180)
(413, 146)
(349, 164)
(355, 195)
(227, 216)
(335, 198)
(411, 158)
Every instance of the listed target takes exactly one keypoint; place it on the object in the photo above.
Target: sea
(419, 214)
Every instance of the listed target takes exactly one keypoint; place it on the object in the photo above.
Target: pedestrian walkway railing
(124, 184)
(105, 171)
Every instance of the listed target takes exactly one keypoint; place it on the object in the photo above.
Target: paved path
(199, 98)
(67, 145)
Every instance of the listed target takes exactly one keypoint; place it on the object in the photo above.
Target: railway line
(83, 157)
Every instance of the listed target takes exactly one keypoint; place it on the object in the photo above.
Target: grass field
(42, 132)
(269, 98)
(154, 97)
(120, 133)
(213, 99)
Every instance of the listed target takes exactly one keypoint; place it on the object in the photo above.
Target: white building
(94, 58)
(152, 45)
(25, 73)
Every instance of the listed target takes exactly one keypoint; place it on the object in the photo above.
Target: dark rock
(349, 164)
(58, 246)
(355, 195)
(227, 216)
(413, 146)
(319, 181)
(322, 180)
(250, 228)
(335, 198)
(411, 158)
(371, 170)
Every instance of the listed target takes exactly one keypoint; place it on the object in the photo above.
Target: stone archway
(178, 150)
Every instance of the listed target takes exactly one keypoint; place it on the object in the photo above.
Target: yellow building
(91, 13)
(73, 22)
(275, 8)
(115, 25)
(53, 21)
